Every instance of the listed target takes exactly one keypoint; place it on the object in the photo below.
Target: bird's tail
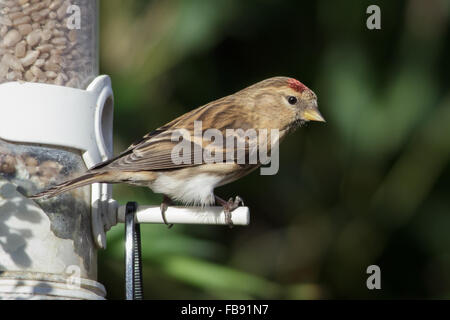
(87, 178)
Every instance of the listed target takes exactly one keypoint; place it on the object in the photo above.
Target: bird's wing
(154, 151)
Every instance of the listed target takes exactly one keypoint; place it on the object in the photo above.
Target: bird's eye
(292, 100)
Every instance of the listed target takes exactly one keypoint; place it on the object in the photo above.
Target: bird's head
(286, 100)
(303, 100)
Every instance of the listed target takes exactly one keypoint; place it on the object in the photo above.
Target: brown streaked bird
(276, 103)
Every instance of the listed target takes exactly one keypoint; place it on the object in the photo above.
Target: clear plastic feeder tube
(49, 41)
(49, 132)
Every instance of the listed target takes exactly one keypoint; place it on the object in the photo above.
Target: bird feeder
(56, 122)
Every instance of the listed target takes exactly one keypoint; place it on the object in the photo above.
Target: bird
(278, 103)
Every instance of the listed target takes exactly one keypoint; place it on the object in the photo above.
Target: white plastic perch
(188, 215)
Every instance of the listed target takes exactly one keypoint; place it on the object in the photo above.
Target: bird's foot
(164, 205)
(229, 206)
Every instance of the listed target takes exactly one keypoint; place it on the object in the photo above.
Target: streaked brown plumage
(148, 162)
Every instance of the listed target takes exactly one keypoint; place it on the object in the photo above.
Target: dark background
(371, 186)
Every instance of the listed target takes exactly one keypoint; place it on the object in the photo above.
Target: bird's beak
(312, 114)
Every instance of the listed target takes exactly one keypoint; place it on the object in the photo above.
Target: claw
(238, 201)
(163, 207)
(228, 219)
(229, 206)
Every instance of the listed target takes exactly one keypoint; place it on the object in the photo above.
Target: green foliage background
(369, 187)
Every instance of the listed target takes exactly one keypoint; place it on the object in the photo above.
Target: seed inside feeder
(41, 43)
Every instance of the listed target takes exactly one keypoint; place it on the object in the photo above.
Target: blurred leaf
(218, 278)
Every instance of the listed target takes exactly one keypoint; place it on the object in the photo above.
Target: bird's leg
(229, 206)
(164, 204)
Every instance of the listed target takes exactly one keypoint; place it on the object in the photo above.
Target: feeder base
(44, 286)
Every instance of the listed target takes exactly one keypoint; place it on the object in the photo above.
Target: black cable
(138, 284)
(133, 260)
